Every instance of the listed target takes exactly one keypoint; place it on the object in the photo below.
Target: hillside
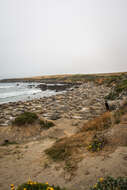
(68, 77)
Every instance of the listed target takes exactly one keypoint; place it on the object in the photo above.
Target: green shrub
(111, 184)
(97, 144)
(36, 186)
(33, 186)
(25, 118)
(46, 124)
(119, 88)
(111, 96)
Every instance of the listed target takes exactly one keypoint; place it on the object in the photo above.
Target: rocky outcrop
(56, 87)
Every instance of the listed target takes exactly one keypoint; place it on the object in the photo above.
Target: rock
(56, 87)
(6, 141)
(2, 121)
(75, 123)
(76, 117)
(84, 109)
(55, 116)
(67, 176)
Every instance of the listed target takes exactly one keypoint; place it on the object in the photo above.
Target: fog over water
(40, 37)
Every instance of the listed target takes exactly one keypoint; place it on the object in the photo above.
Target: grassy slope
(71, 149)
(70, 77)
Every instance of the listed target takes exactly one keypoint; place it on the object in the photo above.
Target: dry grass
(99, 78)
(69, 75)
(69, 150)
(72, 147)
(99, 123)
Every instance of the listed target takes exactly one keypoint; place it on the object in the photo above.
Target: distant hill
(67, 78)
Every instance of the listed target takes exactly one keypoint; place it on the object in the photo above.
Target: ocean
(20, 91)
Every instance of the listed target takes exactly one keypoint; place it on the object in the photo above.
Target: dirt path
(21, 161)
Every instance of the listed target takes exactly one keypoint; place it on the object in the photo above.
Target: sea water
(21, 91)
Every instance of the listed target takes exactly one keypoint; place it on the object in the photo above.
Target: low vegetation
(91, 137)
(108, 183)
(97, 143)
(118, 113)
(119, 89)
(28, 118)
(60, 150)
(46, 124)
(71, 147)
(30, 185)
(25, 118)
(99, 123)
(108, 78)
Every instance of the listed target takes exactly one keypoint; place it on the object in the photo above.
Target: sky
(47, 37)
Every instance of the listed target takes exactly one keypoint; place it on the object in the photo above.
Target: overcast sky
(39, 37)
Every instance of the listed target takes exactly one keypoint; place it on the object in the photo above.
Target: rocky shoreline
(82, 102)
(57, 87)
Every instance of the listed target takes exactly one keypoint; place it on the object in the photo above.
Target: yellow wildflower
(12, 187)
(35, 182)
(89, 147)
(98, 149)
(101, 179)
(95, 186)
(50, 188)
(46, 183)
(25, 189)
(30, 182)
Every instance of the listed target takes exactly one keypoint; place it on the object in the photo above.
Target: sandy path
(19, 162)
(29, 160)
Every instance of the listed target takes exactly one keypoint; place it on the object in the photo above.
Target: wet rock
(56, 87)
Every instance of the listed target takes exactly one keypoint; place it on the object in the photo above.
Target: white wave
(6, 86)
(19, 93)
